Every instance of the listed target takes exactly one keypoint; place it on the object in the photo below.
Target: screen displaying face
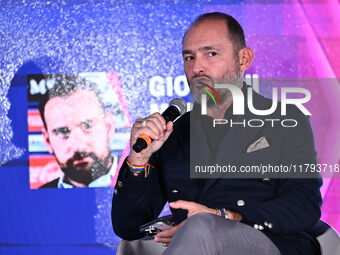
(80, 136)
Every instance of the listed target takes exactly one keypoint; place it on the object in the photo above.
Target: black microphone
(176, 108)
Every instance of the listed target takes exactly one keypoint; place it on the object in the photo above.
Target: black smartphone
(153, 227)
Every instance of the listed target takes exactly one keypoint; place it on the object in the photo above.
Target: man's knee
(194, 237)
(197, 230)
(201, 223)
(216, 235)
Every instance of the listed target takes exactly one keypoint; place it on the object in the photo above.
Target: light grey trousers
(205, 233)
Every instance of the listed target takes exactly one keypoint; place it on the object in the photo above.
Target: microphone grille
(180, 104)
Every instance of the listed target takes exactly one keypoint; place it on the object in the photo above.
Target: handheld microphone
(176, 108)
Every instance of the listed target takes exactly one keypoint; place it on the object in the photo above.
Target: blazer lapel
(200, 153)
(235, 142)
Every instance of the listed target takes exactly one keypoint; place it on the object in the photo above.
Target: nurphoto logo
(238, 105)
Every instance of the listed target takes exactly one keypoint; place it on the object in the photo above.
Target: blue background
(138, 39)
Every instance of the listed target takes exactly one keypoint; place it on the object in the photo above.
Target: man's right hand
(166, 235)
(157, 129)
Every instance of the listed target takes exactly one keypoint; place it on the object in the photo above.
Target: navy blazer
(286, 208)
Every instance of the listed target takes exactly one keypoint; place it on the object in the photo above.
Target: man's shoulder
(261, 102)
(51, 184)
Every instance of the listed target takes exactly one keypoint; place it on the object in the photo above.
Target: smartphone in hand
(160, 224)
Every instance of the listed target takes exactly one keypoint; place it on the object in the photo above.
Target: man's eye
(212, 54)
(86, 126)
(63, 132)
(187, 58)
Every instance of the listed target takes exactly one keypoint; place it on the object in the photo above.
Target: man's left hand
(194, 208)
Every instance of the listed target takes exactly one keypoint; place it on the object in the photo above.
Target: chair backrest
(329, 242)
(327, 237)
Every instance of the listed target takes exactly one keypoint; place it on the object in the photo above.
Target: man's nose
(78, 140)
(198, 66)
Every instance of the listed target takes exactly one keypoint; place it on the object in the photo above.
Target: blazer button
(119, 184)
(175, 191)
(270, 225)
(265, 179)
(261, 227)
(240, 202)
(256, 226)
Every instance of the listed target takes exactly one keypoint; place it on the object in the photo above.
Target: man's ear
(47, 140)
(110, 124)
(246, 57)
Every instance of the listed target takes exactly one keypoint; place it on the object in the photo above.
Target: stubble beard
(89, 173)
(232, 77)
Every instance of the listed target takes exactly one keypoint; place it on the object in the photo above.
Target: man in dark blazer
(220, 215)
